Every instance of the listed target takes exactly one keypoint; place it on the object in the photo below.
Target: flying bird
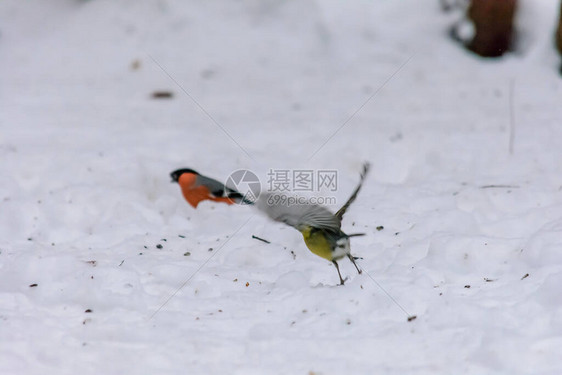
(320, 228)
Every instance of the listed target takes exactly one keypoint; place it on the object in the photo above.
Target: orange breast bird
(196, 188)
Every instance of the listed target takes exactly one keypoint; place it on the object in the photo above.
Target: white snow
(86, 197)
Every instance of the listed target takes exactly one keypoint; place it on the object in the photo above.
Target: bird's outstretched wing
(298, 216)
(342, 210)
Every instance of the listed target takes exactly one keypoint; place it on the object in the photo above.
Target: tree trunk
(493, 25)
(559, 32)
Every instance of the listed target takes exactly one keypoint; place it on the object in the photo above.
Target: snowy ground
(472, 233)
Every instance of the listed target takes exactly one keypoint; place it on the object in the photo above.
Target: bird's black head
(177, 173)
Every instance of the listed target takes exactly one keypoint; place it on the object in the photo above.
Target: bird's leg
(338, 269)
(352, 259)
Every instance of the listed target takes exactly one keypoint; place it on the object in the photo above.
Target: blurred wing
(298, 216)
(344, 208)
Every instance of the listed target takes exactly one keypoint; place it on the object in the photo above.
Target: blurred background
(455, 103)
(273, 77)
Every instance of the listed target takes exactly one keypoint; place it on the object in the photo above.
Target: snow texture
(105, 269)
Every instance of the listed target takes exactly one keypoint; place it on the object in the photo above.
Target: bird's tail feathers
(239, 198)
